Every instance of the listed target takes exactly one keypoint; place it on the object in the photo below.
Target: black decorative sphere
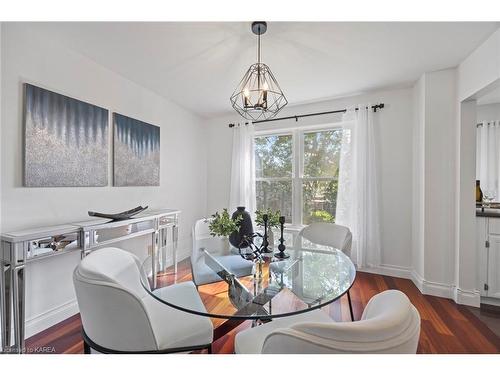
(237, 239)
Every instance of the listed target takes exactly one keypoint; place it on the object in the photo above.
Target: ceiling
(198, 64)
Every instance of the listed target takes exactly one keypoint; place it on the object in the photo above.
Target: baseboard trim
(388, 270)
(50, 317)
(462, 297)
(467, 297)
(432, 288)
(417, 280)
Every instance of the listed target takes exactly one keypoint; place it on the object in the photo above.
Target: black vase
(246, 229)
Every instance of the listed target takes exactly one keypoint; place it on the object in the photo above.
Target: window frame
(297, 176)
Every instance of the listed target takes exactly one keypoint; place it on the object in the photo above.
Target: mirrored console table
(22, 247)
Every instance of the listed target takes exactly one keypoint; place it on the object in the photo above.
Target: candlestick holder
(281, 247)
(265, 241)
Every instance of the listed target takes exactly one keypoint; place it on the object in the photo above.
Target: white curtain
(243, 169)
(488, 157)
(357, 197)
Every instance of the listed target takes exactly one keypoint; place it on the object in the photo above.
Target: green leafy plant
(223, 225)
(322, 215)
(273, 218)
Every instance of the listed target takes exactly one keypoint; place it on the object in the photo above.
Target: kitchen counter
(488, 212)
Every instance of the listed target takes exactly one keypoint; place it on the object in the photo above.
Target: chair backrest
(111, 300)
(201, 238)
(390, 324)
(329, 234)
(200, 231)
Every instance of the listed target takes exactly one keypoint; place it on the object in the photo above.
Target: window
(297, 173)
(274, 173)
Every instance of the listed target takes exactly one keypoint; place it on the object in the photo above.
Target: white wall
(465, 220)
(439, 165)
(488, 112)
(27, 56)
(443, 244)
(418, 218)
(394, 126)
(434, 181)
(480, 69)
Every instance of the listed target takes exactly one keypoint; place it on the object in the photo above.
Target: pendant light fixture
(258, 95)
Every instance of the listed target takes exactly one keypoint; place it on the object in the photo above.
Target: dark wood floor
(446, 327)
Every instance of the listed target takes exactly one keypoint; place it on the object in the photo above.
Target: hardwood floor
(446, 327)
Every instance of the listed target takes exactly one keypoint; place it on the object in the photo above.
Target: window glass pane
(322, 153)
(276, 195)
(273, 156)
(320, 201)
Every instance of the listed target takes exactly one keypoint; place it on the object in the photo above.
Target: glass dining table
(234, 288)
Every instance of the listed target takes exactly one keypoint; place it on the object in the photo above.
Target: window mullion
(319, 178)
(297, 177)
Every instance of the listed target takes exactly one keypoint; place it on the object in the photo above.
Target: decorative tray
(120, 215)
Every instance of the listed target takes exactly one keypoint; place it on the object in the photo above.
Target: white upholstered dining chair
(120, 316)
(334, 235)
(390, 324)
(232, 261)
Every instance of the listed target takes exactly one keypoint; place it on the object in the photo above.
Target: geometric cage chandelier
(258, 95)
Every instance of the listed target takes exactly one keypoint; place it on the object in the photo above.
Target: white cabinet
(482, 254)
(488, 256)
(493, 266)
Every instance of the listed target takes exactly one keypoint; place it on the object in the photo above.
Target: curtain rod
(296, 117)
(484, 122)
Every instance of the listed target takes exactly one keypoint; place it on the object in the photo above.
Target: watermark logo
(35, 350)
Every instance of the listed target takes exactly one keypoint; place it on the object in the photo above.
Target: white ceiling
(198, 65)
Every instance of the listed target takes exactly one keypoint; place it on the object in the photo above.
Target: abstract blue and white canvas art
(136, 152)
(66, 140)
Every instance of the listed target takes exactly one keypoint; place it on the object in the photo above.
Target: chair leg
(86, 348)
(350, 305)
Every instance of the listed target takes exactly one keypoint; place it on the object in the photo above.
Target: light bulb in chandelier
(246, 97)
(265, 89)
(258, 95)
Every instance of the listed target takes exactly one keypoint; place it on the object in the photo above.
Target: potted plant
(273, 221)
(223, 225)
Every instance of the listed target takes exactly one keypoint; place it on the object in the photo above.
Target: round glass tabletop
(232, 287)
